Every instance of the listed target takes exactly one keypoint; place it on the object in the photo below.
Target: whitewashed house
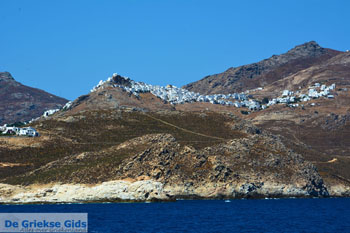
(306, 98)
(313, 93)
(237, 104)
(332, 87)
(272, 102)
(3, 128)
(253, 105)
(68, 105)
(285, 93)
(28, 131)
(50, 112)
(11, 130)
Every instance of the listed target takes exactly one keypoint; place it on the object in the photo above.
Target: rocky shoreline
(255, 167)
(150, 190)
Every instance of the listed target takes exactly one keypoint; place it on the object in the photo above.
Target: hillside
(265, 72)
(323, 125)
(131, 141)
(22, 103)
(187, 154)
(110, 140)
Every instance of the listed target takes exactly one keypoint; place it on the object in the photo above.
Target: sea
(250, 215)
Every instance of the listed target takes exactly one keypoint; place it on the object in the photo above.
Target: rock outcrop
(253, 167)
(69, 193)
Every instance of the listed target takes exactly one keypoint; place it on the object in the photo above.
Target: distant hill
(22, 103)
(265, 72)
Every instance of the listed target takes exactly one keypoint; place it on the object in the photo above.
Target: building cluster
(12, 130)
(314, 92)
(175, 95)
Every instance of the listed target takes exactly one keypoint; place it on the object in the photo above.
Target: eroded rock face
(253, 166)
(68, 193)
(339, 190)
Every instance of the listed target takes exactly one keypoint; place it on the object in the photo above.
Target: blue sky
(66, 47)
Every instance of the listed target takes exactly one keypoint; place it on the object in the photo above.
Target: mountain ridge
(259, 74)
(23, 103)
(131, 141)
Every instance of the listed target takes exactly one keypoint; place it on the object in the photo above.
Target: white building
(3, 128)
(50, 112)
(28, 131)
(313, 93)
(11, 130)
(332, 87)
(285, 93)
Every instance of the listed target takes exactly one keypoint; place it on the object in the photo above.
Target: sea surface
(272, 215)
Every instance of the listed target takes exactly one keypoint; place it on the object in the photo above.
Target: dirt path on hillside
(183, 129)
(329, 161)
(4, 164)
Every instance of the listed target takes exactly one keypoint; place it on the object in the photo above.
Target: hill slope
(322, 125)
(124, 141)
(167, 154)
(22, 103)
(264, 72)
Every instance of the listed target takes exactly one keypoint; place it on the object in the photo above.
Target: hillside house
(28, 131)
(50, 112)
(3, 128)
(10, 130)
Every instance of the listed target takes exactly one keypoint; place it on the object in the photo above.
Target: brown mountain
(260, 74)
(22, 103)
(318, 129)
(113, 145)
(110, 97)
(322, 125)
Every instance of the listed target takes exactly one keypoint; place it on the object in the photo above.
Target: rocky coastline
(150, 190)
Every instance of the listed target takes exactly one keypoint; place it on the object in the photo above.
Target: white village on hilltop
(175, 95)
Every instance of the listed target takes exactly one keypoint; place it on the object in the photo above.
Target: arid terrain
(115, 146)
(22, 103)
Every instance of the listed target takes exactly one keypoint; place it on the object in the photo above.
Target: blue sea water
(273, 215)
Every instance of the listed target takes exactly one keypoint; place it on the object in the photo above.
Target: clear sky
(66, 46)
